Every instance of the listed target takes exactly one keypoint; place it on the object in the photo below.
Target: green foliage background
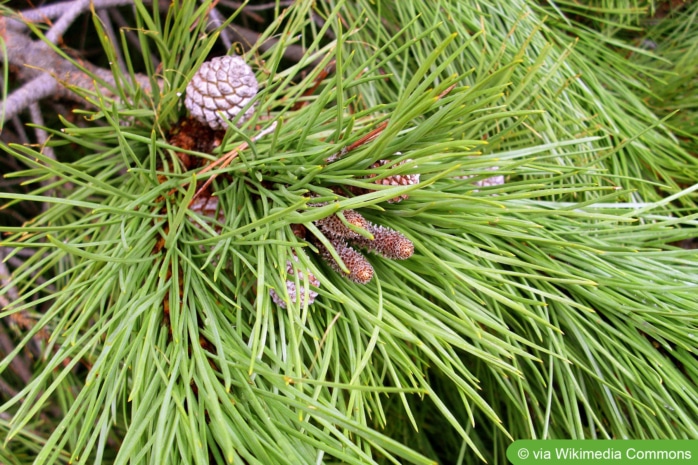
(556, 305)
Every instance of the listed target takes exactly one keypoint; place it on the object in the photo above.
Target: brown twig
(60, 10)
(48, 73)
(362, 141)
(260, 7)
(447, 91)
(326, 71)
(374, 133)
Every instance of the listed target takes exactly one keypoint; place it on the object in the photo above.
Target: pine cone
(224, 84)
(396, 180)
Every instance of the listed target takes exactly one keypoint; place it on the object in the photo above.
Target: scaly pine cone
(396, 180)
(224, 84)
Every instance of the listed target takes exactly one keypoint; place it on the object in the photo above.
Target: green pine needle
(555, 305)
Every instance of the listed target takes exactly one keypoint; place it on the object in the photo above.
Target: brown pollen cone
(387, 242)
(360, 270)
(332, 226)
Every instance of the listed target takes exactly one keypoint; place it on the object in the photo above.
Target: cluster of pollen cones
(223, 90)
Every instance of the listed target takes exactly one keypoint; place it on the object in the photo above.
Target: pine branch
(36, 89)
(49, 73)
(544, 298)
(67, 11)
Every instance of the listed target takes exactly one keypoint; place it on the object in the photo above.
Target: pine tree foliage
(555, 305)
